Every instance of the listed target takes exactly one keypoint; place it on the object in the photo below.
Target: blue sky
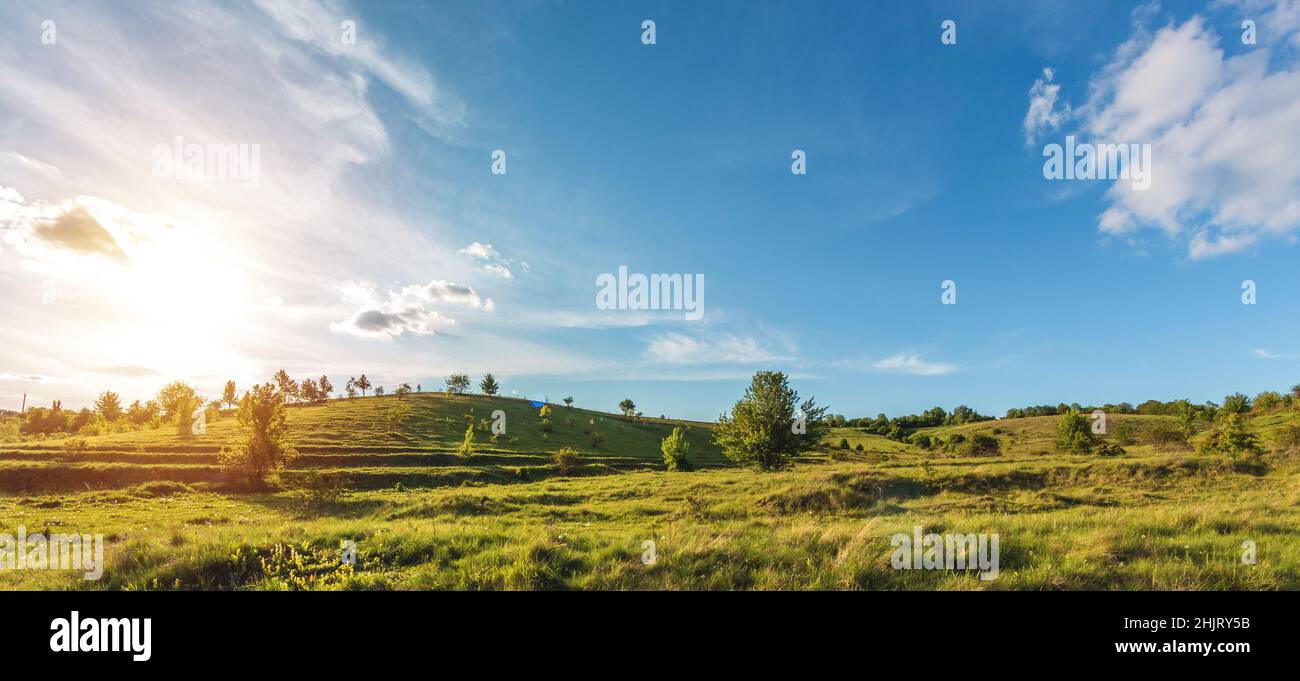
(924, 165)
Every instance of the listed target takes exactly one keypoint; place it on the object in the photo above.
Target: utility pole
(24, 409)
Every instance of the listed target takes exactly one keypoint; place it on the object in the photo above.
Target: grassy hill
(362, 443)
(423, 517)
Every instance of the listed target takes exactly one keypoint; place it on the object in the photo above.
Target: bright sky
(369, 233)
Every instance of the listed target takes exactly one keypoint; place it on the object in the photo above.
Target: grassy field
(384, 473)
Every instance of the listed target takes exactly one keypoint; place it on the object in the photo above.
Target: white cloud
(904, 363)
(1265, 354)
(1043, 116)
(492, 261)
(1224, 134)
(413, 308)
(679, 348)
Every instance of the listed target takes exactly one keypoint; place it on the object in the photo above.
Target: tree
(466, 448)
(308, 390)
(489, 385)
(176, 394)
(402, 391)
(627, 406)
(324, 387)
(457, 383)
(768, 427)
(568, 402)
(351, 388)
(137, 414)
(379, 391)
(109, 405)
(675, 448)
(544, 415)
(286, 385)
(263, 446)
(1073, 433)
(1236, 403)
(364, 384)
(228, 395)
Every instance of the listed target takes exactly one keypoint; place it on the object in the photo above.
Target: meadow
(385, 473)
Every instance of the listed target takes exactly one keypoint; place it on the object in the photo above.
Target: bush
(844, 443)
(263, 446)
(1288, 439)
(1109, 449)
(1073, 433)
(980, 444)
(566, 460)
(1233, 439)
(1163, 435)
(675, 447)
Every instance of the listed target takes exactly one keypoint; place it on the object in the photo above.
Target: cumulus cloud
(904, 363)
(80, 226)
(1224, 134)
(679, 348)
(413, 308)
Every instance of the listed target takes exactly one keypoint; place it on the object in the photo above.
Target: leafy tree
(627, 406)
(176, 397)
(402, 391)
(379, 391)
(1236, 403)
(489, 385)
(1295, 390)
(760, 430)
(263, 445)
(363, 384)
(1267, 400)
(137, 414)
(351, 388)
(675, 448)
(287, 386)
(109, 405)
(457, 383)
(324, 387)
(568, 402)
(1073, 433)
(544, 415)
(308, 391)
(228, 395)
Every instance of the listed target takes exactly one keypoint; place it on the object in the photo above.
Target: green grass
(506, 519)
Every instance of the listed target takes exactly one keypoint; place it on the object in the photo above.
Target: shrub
(1163, 435)
(466, 448)
(1233, 439)
(566, 460)
(844, 443)
(1109, 449)
(1288, 439)
(263, 446)
(980, 444)
(675, 447)
(1073, 433)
